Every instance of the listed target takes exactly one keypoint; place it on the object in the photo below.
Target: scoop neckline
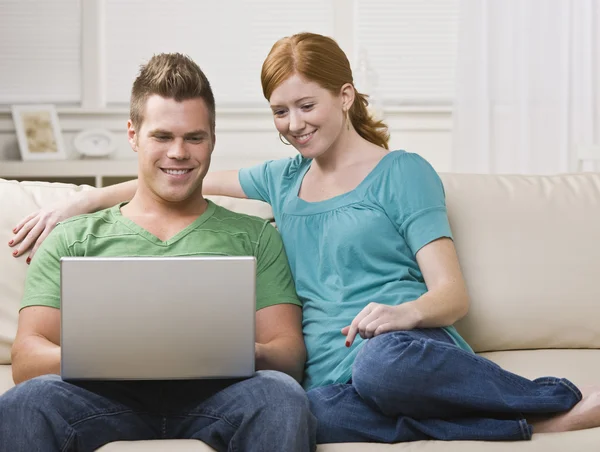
(339, 200)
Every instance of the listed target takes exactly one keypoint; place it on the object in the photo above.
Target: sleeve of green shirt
(42, 286)
(274, 283)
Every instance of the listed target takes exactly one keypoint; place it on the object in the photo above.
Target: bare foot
(586, 414)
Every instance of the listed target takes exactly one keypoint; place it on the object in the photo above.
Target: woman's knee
(386, 360)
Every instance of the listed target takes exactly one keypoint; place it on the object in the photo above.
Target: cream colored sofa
(530, 251)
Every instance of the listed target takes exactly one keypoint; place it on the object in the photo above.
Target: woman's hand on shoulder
(376, 319)
(35, 227)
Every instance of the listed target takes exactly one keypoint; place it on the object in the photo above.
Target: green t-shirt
(217, 232)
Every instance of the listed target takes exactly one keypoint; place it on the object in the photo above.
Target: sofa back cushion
(16, 201)
(529, 247)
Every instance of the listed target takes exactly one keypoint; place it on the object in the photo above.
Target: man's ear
(347, 94)
(132, 136)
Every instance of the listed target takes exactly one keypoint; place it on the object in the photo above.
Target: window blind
(229, 39)
(410, 47)
(40, 45)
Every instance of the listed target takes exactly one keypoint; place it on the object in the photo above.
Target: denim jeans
(418, 385)
(265, 413)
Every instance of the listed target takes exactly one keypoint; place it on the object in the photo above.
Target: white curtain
(528, 86)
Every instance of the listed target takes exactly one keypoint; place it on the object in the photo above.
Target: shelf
(91, 172)
(68, 168)
(100, 172)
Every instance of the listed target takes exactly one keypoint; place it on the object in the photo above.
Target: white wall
(248, 136)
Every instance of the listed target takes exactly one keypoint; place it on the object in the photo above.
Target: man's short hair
(172, 76)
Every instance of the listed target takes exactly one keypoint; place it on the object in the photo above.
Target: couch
(529, 247)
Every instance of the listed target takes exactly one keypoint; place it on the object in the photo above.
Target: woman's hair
(172, 76)
(319, 59)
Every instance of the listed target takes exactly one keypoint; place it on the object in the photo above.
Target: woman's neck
(349, 149)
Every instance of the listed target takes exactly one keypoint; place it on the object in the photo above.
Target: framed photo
(38, 132)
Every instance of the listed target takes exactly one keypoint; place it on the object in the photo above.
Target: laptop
(157, 318)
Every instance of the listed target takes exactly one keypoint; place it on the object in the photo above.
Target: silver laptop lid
(157, 317)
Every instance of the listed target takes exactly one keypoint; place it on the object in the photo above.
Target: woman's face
(307, 115)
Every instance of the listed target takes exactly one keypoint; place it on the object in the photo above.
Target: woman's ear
(347, 94)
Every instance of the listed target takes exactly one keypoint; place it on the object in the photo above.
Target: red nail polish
(11, 242)
(347, 344)
(28, 260)
(15, 253)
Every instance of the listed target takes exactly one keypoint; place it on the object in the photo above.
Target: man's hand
(376, 319)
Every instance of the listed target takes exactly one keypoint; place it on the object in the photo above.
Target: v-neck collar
(116, 212)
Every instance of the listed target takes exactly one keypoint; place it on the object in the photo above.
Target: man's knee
(35, 391)
(29, 402)
(280, 390)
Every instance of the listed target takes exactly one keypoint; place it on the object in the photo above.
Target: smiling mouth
(304, 138)
(176, 172)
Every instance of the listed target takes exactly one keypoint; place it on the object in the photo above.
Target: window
(40, 45)
(410, 46)
(229, 39)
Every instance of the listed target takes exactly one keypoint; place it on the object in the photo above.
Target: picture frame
(38, 132)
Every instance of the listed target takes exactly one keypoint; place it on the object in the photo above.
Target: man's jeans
(268, 412)
(416, 385)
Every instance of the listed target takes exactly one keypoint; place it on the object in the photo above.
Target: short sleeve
(415, 201)
(42, 285)
(270, 180)
(274, 283)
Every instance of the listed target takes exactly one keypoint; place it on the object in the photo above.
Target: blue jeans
(265, 413)
(417, 385)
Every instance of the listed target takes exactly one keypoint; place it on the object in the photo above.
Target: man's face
(174, 145)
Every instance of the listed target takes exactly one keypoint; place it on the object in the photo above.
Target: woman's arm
(223, 183)
(445, 302)
(34, 228)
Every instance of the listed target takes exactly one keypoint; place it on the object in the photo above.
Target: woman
(371, 251)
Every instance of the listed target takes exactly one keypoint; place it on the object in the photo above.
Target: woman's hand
(376, 319)
(35, 227)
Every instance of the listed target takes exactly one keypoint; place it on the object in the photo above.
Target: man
(172, 129)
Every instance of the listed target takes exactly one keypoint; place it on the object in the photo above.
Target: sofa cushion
(581, 441)
(16, 201)
(580, 366)
(157, 446)
(529, 247)
(6, 380)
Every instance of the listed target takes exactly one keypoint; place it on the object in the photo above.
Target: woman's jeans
(264, 413)
(417, 385)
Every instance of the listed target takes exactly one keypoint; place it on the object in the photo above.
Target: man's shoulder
(78, 221)
(239, 222)
(97, 223)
